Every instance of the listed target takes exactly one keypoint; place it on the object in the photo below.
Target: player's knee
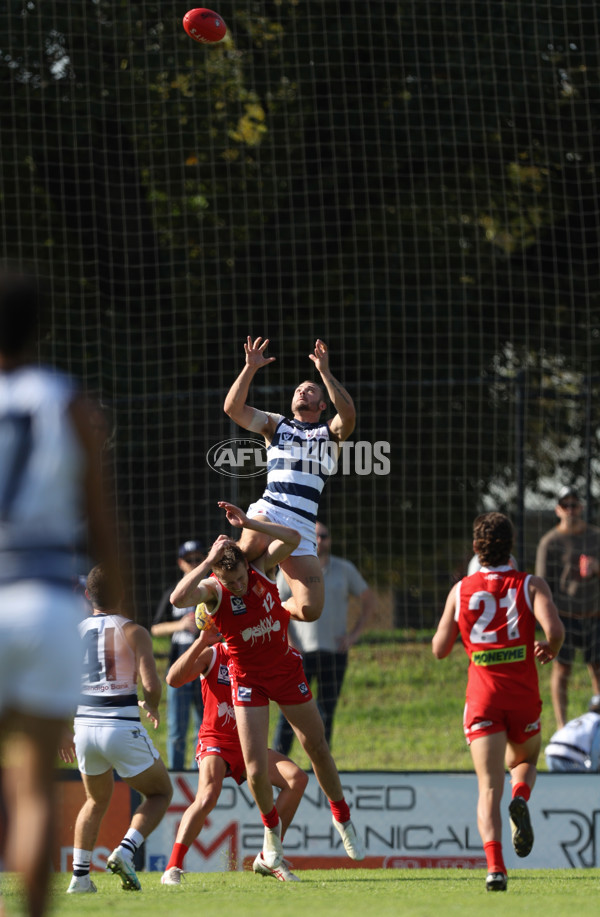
(317, 748)
(208, 800)
(299, 781)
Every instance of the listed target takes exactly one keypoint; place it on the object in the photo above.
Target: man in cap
(568, 559)
(179, 624)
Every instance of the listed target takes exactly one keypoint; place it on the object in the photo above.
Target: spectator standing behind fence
(575, 749)
(179, 624)
(324, 643)
(568, 559)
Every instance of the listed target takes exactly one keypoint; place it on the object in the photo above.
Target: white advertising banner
(407, 820)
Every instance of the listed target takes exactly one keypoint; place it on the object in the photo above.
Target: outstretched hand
(320, 357)
(255, 352)
(235, 516)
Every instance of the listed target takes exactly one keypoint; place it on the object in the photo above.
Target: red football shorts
(484, 719)
(229, 749)
(286, 684)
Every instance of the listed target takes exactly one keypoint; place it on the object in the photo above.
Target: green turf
(410, 893)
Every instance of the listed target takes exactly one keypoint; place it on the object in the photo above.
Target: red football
(204, 26)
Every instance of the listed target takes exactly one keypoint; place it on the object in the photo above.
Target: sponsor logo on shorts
(237, 605)
(533, 727)
(214, 748)
(303, 688)
(244, 695)
(496, 657)
(482, 725)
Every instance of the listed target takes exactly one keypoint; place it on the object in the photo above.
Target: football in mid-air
(204, 26)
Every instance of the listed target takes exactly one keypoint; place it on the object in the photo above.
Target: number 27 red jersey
(497, 626)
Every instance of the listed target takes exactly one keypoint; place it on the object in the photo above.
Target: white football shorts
(41, 652)
(306, 529)
(124, 746)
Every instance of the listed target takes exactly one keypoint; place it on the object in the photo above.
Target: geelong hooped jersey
(41, 476)
(254, 626)
(300, 458)
(219, 714)
(497, 625)
(575, 739)
(109, 680)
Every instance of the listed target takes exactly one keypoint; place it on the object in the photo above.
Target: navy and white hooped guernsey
(300, 458)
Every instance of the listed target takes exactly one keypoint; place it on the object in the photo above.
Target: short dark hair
(318, 385)
(232, 556)
(20, 311)
(493, 536)
(104, 593)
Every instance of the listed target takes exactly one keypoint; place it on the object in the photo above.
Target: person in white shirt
(324, 643)
(575, 749)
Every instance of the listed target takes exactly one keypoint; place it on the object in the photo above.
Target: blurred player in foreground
(219, 755)
(244, 602)
(109, 734)
(495, 612)
(301, 455)
(50, 487)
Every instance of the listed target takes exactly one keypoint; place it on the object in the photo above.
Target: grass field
(411, 893)
(401, 709)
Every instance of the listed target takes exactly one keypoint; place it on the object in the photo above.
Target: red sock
(494, 858)
(177, 855)
(521, 789)
(340, 810)
(272, 819)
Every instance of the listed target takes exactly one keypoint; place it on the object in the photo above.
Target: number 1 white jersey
(109, 680)
(41, 476)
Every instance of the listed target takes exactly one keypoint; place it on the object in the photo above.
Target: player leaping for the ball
(300, 453)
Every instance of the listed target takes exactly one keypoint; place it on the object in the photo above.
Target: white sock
(81, 862)
(130, 843)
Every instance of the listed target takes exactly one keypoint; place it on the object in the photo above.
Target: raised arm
(285, 539)
(546, 614)
(235, 402)
(191, 590)
(190, 665)
(447, 630)
(344, 421)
